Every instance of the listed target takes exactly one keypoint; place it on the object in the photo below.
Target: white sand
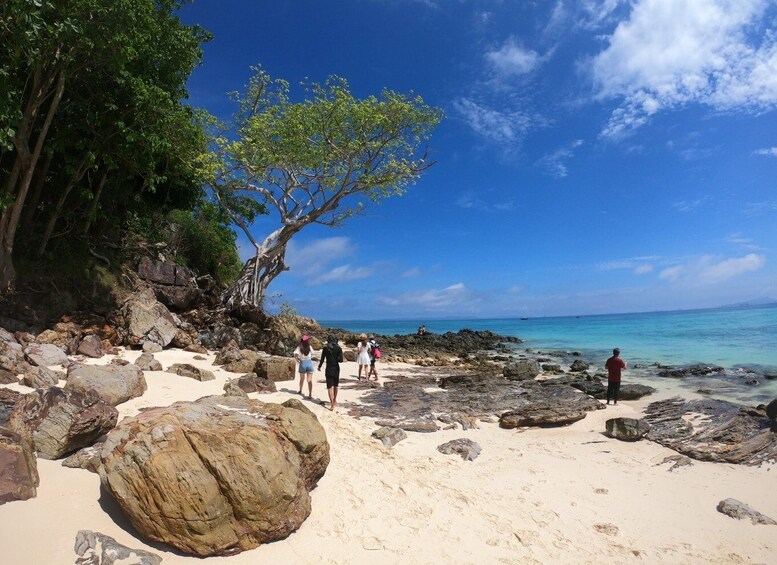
(563, 495)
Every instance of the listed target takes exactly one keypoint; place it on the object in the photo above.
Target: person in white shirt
(304, 356)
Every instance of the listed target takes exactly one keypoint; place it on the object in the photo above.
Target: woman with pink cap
(304, 356)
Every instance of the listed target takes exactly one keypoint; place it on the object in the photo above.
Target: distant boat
(524, 318)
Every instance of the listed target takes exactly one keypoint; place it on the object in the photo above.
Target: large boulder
(276, 368)
(113, 383)
(18, 467)
(627, 429)
(578, 365)
(467, 449)
(41, 377)
(45, 354)
(62, 421)
(91, 346)
(64, 335)
(8, 400)
(173, 285)
(250, 382)
(771, 411)
(523, 369)
(146, 362)
(216, 476)
(12, 358)
(143, 318)
(543, 414)
(245, 364)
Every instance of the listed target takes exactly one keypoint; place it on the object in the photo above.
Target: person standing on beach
(333, 355)
(304, 356)
(374, 349)
(363, 357)
(614, 366)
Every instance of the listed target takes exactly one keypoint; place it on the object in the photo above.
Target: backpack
(376, 351)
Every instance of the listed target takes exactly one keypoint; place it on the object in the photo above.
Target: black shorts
(332, 377)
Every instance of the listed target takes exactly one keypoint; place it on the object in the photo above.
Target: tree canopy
(320, 160)
(92, 124)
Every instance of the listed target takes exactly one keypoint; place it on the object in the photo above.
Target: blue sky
(596, 156)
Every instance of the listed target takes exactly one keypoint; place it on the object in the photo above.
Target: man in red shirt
(614, 365)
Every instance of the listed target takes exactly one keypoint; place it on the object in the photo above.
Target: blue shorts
(305, 366)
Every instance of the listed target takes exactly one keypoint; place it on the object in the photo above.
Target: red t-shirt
(614, 366)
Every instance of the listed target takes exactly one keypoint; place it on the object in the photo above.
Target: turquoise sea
(734, 338)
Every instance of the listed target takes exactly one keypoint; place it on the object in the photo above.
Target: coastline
(562, 495)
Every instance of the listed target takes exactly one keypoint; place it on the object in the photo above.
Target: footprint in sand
(607, 529)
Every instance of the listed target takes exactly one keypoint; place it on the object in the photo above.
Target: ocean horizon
(731, 336)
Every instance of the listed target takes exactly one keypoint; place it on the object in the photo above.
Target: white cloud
(311, 258)
(639, 265)
(769, 151)
(710, 270)
(412, 273)
(668, 54)
(431, 299)
(511, 59)
(508, 127)
(555, 163)
(690, 205)
(343, 273)
(643, 269)
(470, 201)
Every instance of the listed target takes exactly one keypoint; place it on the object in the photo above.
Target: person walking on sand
(374, 356)
(363, 357)
(614, 366)
(333, 355)
(304, 356)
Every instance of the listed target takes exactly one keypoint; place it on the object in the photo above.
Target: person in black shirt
(333, 355)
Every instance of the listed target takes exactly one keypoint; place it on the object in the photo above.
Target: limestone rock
(276, 368)
(741, 511)
(94, 548)
(466, 448)
(389, 436)
(146, 362)
(45, 354)
(113, 383)
(187, 370)
(18, 467)
(522, 369)
(627, 429)
(578, 365)
(216, 476)
(62, 421)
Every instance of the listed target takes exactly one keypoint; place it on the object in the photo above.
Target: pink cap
(305, 337)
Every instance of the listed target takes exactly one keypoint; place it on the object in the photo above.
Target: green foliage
(203, 240)
(286, 310)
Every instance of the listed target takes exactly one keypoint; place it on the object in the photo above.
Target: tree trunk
(74, 180)
(249, 289)
(8, 234)
(95, 202)
(37, 190)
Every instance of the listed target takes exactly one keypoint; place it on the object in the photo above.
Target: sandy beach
(560, 495)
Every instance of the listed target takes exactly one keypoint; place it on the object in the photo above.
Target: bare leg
(301, 381)
(334, 398)
(332, 391)
(310, 385)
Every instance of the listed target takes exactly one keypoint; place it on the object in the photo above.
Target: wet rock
(552, 368)
(627, 429)
(634, 391)
(60, 422)
(741, 511)
(698, 370)
(94, 548)
(590, 385)
(389, 436)
(190, 371)
(712, 430)
(466, 448)
(19, 477)
(578, 366)
(248, 469)
(771, 410)
(113, 383)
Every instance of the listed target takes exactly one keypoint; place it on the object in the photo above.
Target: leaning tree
(317, 161)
